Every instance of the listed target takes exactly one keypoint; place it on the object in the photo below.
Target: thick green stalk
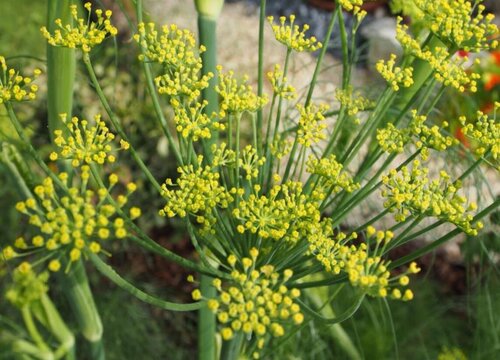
(32, 330)
(207, 27)
(61, 67)
(48, 315)
(231, 349)
(260, 75)
(77, 289)
(208, 12)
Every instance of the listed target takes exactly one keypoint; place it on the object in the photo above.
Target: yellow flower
(84, 144)
(83, 34)
(237, 97)
(311, 127)
(292, 37)
(395, 75)
(14, 86)
(255, 302)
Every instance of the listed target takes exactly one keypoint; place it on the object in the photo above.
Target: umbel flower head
(411, 192)
(237, 97)
(460, 24)
(448, 70)
(255, 302)
(84, 34)
(332, 176)
(485, 133)
(292, 37)
(85, 144)
(279, 83)
(177, 52)
(72, 221)
(311, 124)
(393, 140)
(14, 86)
(395, 75)
(27, 286)
(191, 122)
(352, 101)
(282, 214)
(365, 268)
(198, 193)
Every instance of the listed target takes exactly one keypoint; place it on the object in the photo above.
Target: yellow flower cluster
(27, 287)
(192, 123)
(447, 70)
(393, 140)
(15, 87)
(177, 52)
(311, 126)
(84, 144)
(412, 192)
(85, 34)
(485, 132)
(255, 303)
(279, 83)
(172, 48)
(183, 82)
(331, 173)
(76, 221)
(280, 147)
(354, 6)
(430, 137)
(352, 101)
(222, 156)
(237, 97)
(250, 162)
(365, 269)
(282, 214)
(460, 23)
(292, 37)
(395, 75)
(198, 193)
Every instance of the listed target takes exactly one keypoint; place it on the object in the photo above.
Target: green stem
(61, 68)
(337, 332)
(112, 275)
(20, 131)
(207, 26)
(48, 315)
(80, 298)
(430, 247)
(154, 96)
(116, 123)
(231, 349)
(208, 37)
(260, 74)
(32, 330)
(322, 53)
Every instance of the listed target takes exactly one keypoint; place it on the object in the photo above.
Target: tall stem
(208, 11)
(61, 68)
(80, 298)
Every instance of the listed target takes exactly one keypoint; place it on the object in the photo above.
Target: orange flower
(491, 80)
(496, 57)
